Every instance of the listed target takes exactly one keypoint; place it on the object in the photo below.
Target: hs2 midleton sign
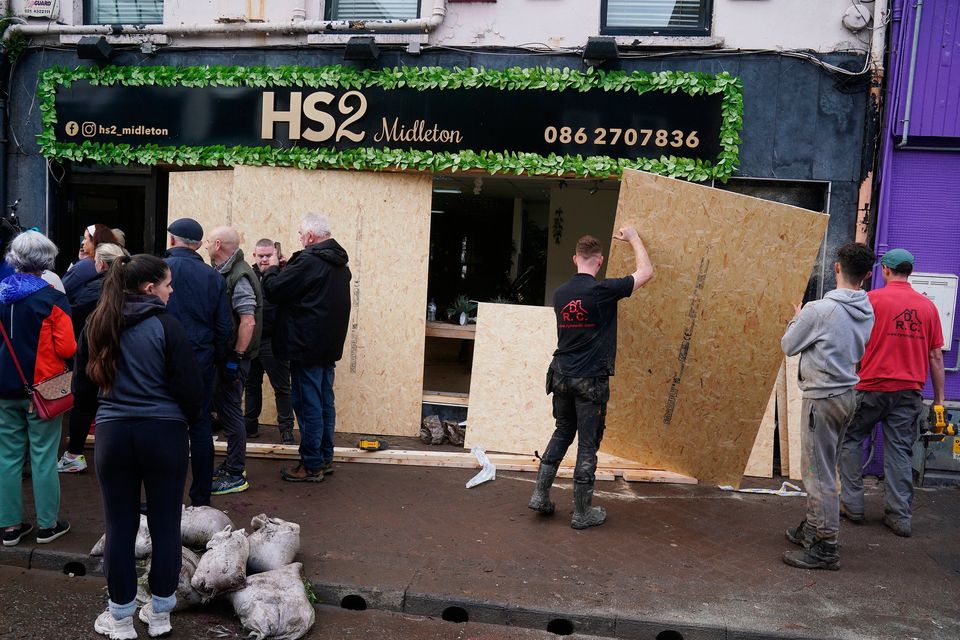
(588, 121)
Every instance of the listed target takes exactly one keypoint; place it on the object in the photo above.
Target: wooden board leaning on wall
(383, 222)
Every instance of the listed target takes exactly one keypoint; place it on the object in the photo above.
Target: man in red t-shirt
(904, 344)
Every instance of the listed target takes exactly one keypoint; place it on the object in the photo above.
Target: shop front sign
(536, 121)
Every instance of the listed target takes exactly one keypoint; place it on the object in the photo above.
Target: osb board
(205, 196)
(383, 222)
(760, 463)
(509, 409)
(794, 405)
(698, 346)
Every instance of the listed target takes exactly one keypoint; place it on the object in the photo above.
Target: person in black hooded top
(136, 365)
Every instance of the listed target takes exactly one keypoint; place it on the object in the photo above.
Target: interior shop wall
(583, 214)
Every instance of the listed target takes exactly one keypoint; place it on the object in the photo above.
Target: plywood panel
(794, 404)
(760, 463)
(509, 408)
(383, 221)
(205, 196)
(698, 347)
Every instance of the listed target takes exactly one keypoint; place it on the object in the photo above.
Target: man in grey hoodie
(830, 335)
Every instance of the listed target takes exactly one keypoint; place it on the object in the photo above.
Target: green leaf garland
(421, 78)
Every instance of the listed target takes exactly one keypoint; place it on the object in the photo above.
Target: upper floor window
(123, 11)
(656, 17)
(372, 9)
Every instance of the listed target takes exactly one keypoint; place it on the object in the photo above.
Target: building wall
(811, 25)
(935, 108)
(583, 213)
(919, 187)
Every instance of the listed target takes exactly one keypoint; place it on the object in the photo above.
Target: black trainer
(13, 538)
(49, 535)
(803, 534)
(820, 555)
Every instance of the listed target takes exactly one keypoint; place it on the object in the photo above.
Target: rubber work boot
(820, 555)
(540, 500)
(585, 515)
(804, 534)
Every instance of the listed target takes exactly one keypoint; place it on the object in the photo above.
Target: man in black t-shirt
(579, 375)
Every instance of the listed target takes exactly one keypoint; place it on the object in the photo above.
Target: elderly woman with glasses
(85, 269)
(35, 319)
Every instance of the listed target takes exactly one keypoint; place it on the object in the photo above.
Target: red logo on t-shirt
(574, 312)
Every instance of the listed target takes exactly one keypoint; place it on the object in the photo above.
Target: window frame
(328, 12)
(88, 14)
(702, 31)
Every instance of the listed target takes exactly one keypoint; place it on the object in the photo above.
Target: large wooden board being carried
(698, 348)
(509, 409)
(383, 222)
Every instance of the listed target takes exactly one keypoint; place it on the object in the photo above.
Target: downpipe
(918, 10)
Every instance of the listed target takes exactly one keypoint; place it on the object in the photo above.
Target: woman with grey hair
(35, 320)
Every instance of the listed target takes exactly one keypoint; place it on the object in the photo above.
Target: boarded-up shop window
(656, 17)
(123, 11)
(372, 9)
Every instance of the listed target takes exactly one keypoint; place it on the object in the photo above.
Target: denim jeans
(823, 422)
(201, 438)
(900, 413)
(313, 402)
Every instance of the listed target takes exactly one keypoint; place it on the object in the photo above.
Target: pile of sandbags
(433, 430)
(256, 573)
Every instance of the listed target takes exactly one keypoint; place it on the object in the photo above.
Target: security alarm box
(41, 9)
(941, 288)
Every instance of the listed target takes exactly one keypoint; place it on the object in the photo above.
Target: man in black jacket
(199, 302)
(312, 295)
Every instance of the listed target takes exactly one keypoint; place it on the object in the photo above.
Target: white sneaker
(158, 624)
(69, 463)
(109, 626)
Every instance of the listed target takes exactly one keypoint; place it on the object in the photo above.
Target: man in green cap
(904, 347)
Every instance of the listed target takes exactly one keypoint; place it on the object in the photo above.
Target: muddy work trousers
(580, 409)
(823, 423)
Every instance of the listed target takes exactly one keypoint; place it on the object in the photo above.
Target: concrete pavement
(672, 562)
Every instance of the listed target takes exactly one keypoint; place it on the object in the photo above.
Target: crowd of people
(158, 347)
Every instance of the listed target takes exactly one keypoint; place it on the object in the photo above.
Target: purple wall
(919, 197)
(935, 109)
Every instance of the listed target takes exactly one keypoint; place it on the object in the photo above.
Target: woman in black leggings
(136, 366)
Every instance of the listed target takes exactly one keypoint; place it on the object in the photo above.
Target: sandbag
(187, 596)
(224, 566)
(273, 543)
(144, 544)
(274, 604)
(199, 524)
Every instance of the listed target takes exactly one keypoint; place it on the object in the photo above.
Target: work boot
(804, 534)
(540, 500)
(852, 516)
(286, 436)
(821, 555)
(585, 515)
(900, 526)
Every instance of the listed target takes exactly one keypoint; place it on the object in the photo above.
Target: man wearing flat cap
(199, 302)
(904, 347)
